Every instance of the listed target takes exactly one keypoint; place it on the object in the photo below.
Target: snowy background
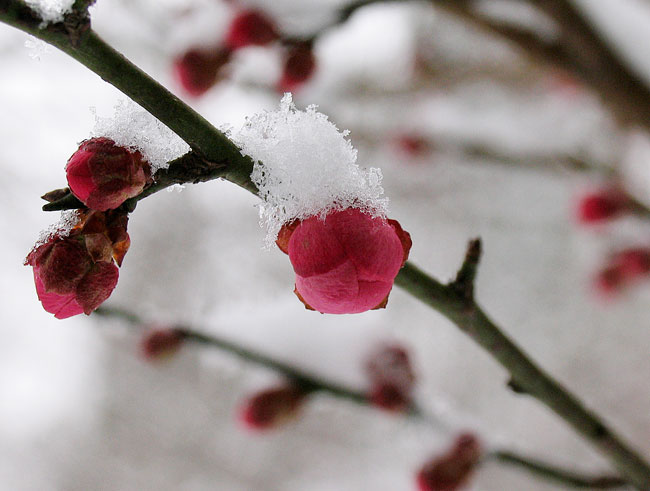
(80, 410)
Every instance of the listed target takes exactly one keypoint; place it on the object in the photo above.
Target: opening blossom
(76, 273)
(347, 262)
(103, 175)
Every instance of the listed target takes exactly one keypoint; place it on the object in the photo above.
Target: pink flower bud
(346, 263)
(103, 175)
(272, 407)
(602, 205)
(608, 282)
(452, 470)
(250, 28)
(392, 378)
(76, 274)
(161, 343)
(412, 145)
(632, 263)
(198, 70)
(299, 66)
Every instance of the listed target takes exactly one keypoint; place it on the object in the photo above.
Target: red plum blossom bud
(77, 273)
(632, 263)
(412, 145)
(272, 407)
(198, 70)
(602, 205)
(299, 66)
(250, 28)
(392, 378)
(451, 471)
(347, 262)
(103, 175)
(161, 343)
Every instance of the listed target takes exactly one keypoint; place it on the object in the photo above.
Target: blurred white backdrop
(79, 410)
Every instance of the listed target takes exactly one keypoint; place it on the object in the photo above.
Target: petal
(314, 248)
(62, 306)
(97, 286)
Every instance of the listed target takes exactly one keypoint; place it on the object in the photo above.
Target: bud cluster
(76, 270)
(199, 69)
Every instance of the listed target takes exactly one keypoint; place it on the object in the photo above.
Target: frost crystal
(50, 11)
(37, 48)
(61, 229)
(304, 166)
(134, 128)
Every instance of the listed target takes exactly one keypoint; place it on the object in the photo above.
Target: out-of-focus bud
(608, 282)
(633, 262)
(451, 471)
(391, 378)
(250, 28)
(77, 273)
(602, 205)
(347, 262)
(161, 343)
(299, 67)
(412, 145)
(272, 407)
(103, 175)
(198, 70)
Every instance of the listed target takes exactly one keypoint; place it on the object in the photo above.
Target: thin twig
(312, 383)
(553, 473)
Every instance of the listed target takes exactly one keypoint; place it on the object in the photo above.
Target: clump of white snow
(133, 127)
(304, 166)
(50, 11)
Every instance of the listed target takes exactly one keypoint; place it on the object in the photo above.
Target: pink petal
(97, 286)
(62, 306)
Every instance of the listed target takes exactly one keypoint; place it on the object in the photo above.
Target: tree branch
(557, 474)
(312, 383)
(579, 49)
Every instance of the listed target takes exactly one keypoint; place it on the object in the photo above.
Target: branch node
(463, 284)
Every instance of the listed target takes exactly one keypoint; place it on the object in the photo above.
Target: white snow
(62, 228)
(133, 127)
(305, 166)
(51, 11)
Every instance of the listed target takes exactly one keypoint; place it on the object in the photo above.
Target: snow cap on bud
(76, 273)
(250, 28)
(270, 408)
(198, 70)
(602, 205)
(346, 262)
(451, 471)
(103, 175)
(392, 378)
(299, 66)
(160, 343)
